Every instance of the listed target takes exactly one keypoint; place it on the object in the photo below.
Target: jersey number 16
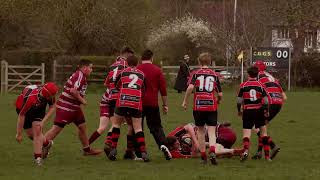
(206, 83)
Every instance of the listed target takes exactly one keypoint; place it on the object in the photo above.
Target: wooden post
(54, 72)
(4, 77)
(42, 73)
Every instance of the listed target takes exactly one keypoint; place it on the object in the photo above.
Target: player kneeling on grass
(69, 110)
(31, 107)
(205, 82)
(129, 104)
(276, 97)
(183, 142)
(254, 101)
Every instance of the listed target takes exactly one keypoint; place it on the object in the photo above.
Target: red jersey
(206, 82)
(272, 87)
(176, 154)
(29, 99)
(131, 84)
(178, 132)
(66, 100)
(252, 92)
(114, 70)
(155, 83)
(105, 99)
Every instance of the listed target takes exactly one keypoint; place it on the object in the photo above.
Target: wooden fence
(18, 76)
(61, 72)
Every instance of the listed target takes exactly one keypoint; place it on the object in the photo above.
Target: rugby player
(31, 108)
(69, 110)
(205, 82)
(276, 98)
(253, 99)
(130, 83)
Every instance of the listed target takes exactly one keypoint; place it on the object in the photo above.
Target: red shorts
(66, 117)
(104, 110)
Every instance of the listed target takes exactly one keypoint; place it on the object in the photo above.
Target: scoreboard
(276, 59)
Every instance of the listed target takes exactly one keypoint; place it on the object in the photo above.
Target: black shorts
(253, 117)
(274, 109)
(112, 107)
(208, 118)
(32, 115)
(128, 112)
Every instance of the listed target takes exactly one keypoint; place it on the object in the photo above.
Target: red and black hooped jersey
(178, 132)
(131, 84)
(30, 99)
(114, 70)
(206, 82)
(252, 92)
(272, 87)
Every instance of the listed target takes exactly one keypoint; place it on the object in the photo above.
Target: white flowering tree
(175, 38)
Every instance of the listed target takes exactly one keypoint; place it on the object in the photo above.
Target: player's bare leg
(246, 144)
(202, 144)
(82, 133)
(53, 132)
(212, 144)
(103, 124)
(29, 133)
(49, 136)
(37, 142)
(111, 149)
(137, 126)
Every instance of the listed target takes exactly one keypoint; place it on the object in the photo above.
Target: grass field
(296, 130)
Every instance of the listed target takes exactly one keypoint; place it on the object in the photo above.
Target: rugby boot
(166, 152)
(212, 157)
(274, 152)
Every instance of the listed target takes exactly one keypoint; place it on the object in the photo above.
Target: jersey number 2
(134, 79)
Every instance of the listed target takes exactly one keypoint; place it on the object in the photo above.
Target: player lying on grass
(183, 142)
(253, 99)
(69, 110)
(276, 97)
(129, 104)
(31, 107)
(206, 82)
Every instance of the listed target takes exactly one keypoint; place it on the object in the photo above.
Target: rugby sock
(271, 143)
(141, 142)
(86, 149)
(266, 147)
(203, 155)
(212, 149)
(36, 155)
(115, 137)
(45, 142)
(246, 143)
(94, 136)
(108, 138)
(130, 141)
